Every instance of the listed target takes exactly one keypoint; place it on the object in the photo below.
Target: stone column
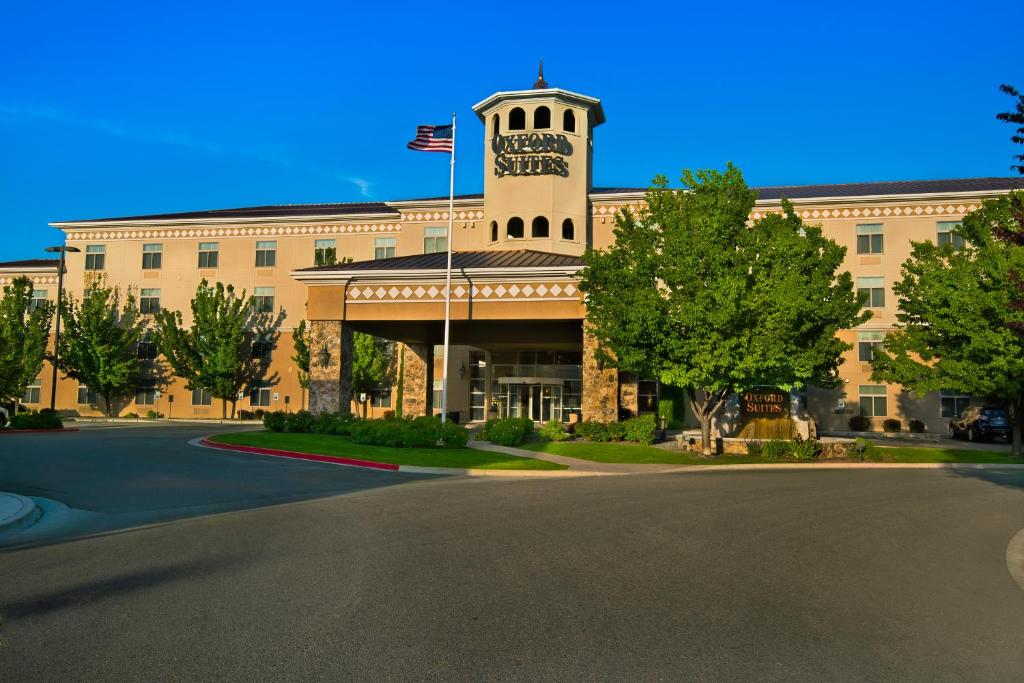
(600, 386)
(330, 386)
(418, 380)
(629, 393)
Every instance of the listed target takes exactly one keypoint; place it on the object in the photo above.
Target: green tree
(216, 351)
(99, 345)
(695, 295)
(372, 363)
(1015, 117)
(24, 334)
(960, 318)
(300, 344)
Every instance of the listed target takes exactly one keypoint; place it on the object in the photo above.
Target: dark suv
(980, 423)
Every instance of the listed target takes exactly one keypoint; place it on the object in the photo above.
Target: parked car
(3, 417)
(980, 423)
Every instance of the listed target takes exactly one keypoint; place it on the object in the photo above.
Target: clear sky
(111, 109)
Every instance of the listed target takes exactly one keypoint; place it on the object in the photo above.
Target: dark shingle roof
(895, 187)
(273, 211)
(31, 263)
(520, 258)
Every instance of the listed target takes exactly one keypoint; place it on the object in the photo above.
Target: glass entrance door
(539, 402)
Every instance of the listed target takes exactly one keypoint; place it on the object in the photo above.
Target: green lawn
(635, 453)
(340, 446)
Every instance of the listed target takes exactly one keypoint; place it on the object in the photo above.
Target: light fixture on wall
(325, 356)
(462, 370)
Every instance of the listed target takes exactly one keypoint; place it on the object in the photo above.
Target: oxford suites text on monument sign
(531, 154)
(764, 402)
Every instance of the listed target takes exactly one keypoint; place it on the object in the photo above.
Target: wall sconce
(462, 370)
(325, 356)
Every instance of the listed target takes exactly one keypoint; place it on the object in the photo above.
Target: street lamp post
(62, 249)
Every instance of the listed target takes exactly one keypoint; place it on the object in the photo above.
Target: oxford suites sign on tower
(531, 154)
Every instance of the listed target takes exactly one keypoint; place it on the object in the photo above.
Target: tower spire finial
(540, 84)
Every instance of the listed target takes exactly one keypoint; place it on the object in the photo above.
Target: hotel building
(519, 346)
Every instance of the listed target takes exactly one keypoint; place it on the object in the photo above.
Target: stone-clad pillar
(330, 386)
(418, 380)
(629, 393)
(600, 386)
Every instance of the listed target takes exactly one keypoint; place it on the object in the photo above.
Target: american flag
(432, 139)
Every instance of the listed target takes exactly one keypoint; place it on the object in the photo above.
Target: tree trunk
(233, 402)
(705, 436)
(705, 410)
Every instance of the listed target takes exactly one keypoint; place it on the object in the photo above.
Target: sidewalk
(579, 465)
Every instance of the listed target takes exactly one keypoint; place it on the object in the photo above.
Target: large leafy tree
(300, 344)
(694, 294)
(960, 318)
(99, 346)
(215, 351)
(1016, 118)
(24, 334)
(372, 363)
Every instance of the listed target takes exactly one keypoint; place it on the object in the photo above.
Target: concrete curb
(1015, 558)
(204, 442)
(855, 466)
(17, 512)
(38, 431)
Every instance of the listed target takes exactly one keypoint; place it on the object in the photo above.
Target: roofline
(170, 220)
(840, 199)
(30, 269)
(344, 277)
(593, 102)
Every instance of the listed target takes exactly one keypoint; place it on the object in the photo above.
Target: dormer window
(540, 227)
(542, 117)
(495, 125)
(569, 121)
(514, 229)
(517, 119)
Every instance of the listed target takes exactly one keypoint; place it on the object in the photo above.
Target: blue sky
(111, 109)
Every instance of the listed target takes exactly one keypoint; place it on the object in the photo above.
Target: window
(438, 390)
(145, 393)
(870, 239)
(384, 247)
(149, 301)
(94, 256)
(515, 229)
(266, 254)
(262, 349)
(495, 125)
(867, 342)
(568, 230)
(86, 396)
(201, 397)
(569, 121)
(517, 119)
(948, 234)
(263, 299)
(259, 394)
(494, 231)
(539, 228)
(647, 396)
(33, 391)
(477, 385)
(324, 253)
(542, 117)
(152, 255)
(37, 300)
(953, 403)
(435, 240)
(874, 288)
(380, 395)
(873, 400)
(208, 254)
(147, 349)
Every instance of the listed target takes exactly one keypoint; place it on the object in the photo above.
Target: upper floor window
(262, 349)
(542, 117)
(435, 240)
(515, 228)
(385, 247)
(146, 349)
(948, 233)
(152, 256)
(324, 253)
(266, 254)
(540, 227)
(149, 301)
(495, 125)
(94, 256)
(494, 231)
(568, 230)
(517, 119)
(37, 300)
(263, 299)
(867, 342)
(208, 254)
(569, 121)
(870, 238)
(874, 287)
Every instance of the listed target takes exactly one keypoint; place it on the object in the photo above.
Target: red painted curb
(38, 431)
(301, 456)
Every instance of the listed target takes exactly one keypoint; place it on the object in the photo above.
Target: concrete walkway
(578, 465)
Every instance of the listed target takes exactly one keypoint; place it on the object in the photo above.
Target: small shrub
(506, 431)
(892, 425)
(640, 429)
(860, 423)
(134, 416)
(776, 449)
(275, 421)
(593, 430)
(865, 450)
(451, 435)
(44, 419)
(553, 430)
(805, 449)
(421, 432)
(299, 422)
(152, 415)
(916, 426)
(754, 449)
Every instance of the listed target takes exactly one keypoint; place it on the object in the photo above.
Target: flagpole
(448, 281)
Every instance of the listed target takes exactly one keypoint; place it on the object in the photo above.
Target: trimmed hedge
(420, 432)
(860, 423)
(302, 421)
(892, 425)
(916, 426)
(553, 431)
(506, 431)
(637, 429)
(44, 419)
